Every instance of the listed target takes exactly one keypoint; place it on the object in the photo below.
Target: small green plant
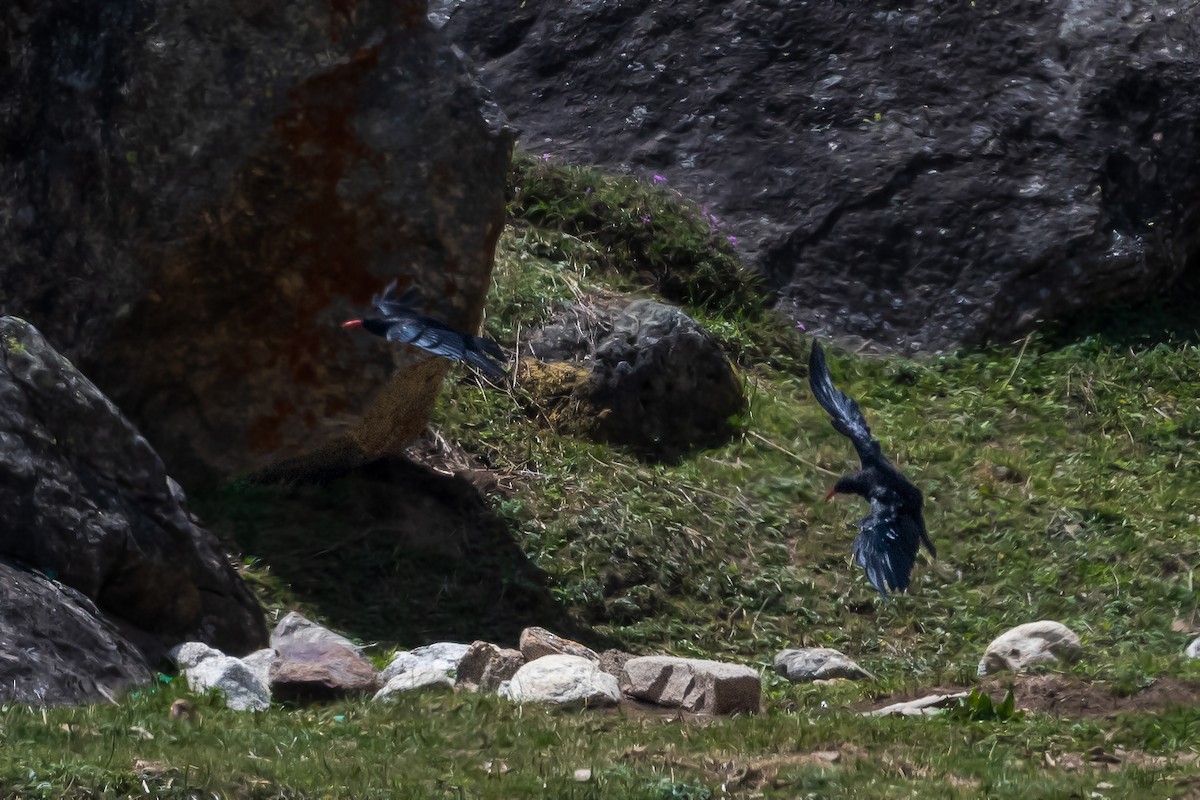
(979, 707)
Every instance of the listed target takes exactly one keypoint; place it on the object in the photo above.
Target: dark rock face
(57, 648)
(88, 503)
(657, 380)
(193, 196)
(919, 175)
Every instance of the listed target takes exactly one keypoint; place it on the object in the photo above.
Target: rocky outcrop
(1041, 642)
(88, 503)
(193, 196)
(57, 647)
(920, 176)
(639, 373)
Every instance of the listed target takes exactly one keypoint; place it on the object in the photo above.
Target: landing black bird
(889, 537)
(402, 322)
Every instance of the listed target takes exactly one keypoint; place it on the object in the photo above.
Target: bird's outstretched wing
(391, 306)
(848, 419)
(886, 547)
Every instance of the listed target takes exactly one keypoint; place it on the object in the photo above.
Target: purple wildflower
(800, 326)
(659, 179)
(732, 240)
(547, 156)
(645, 219)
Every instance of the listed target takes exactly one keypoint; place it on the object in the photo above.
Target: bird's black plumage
(889, 537)
(402, 322)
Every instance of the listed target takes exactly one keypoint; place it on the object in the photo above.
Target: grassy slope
(1061, 483)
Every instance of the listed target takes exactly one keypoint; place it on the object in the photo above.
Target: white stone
(1193, 649)
(921, 707)
(443, 656)
(1042, 642)
(562, 680)
(207, 668)
(817, 663)
(424, 675)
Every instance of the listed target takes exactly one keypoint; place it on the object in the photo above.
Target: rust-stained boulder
(193, 196)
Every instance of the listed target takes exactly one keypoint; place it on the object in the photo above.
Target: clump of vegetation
(644, 231)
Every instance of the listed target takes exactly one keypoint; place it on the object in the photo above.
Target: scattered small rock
(562, 680)
(208, 668)
(817, 663)
(583, 775)
(539, 642)
(697, 685)
(485, 666)
(181, 709)
(1193, 649)
(1042, 642)
(921, 707)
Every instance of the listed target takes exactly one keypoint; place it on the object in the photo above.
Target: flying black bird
(889, 537)
(402, 322)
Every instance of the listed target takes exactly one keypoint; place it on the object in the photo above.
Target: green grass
(1061, 482)
(455, 746)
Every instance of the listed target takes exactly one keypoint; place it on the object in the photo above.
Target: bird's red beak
(832, 492)
(352, 323)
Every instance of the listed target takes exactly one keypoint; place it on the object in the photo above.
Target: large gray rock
(87, 502)
(693, 684)
(1041, 642)
(655, 379)
(562, 680)
(57, 648)
(192, 196)
(917, 174)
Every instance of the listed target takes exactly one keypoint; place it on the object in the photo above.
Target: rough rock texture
(613, 661)
(539, 642)
(442, 657)
(921, 707)
(918, 174)
(693, 684)
(192, 196)
(57, 648)
(1042, 642)
(817, 663)
(485, 666)
(424, 675)
(657, 381)
(88, 502)
(243, 682)
(295, 628)
(562, 680)
(316, 667)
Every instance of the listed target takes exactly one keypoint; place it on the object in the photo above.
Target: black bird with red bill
(889, 537)
(402, 322)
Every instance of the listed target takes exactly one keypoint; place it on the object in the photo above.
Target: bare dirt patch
(1067, 697)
